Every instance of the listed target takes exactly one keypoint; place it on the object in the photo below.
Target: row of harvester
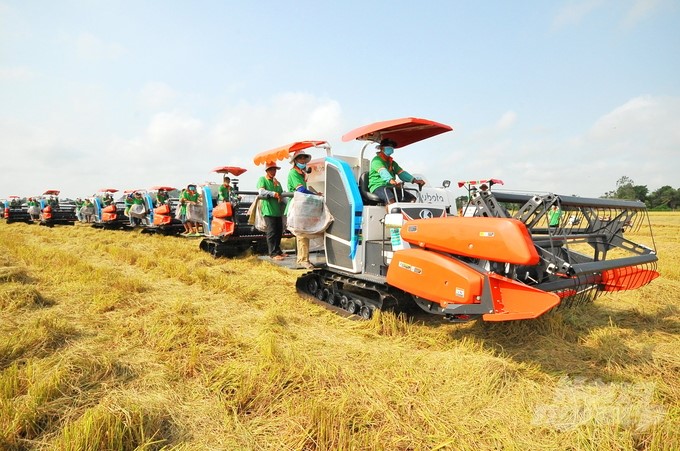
(501, 262)
(49, 210)
(227, 231)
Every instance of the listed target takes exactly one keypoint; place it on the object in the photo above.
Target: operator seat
(368, 197)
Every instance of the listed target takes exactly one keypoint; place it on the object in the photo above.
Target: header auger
(586, 252)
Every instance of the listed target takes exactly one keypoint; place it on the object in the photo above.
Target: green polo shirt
(270, 206)
(377, 163)
(295, 179)
(226, 193)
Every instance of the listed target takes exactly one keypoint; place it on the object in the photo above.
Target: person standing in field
(297, 181)
(554, 215)
(87, 210)
(191, 200)
(33, 209)
(129, 201)
(79, 205)
(270, 191)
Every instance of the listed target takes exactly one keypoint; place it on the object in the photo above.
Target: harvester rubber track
(350, 295)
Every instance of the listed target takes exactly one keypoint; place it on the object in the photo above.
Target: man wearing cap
(383, 173)
(297, 181)
(270, 191)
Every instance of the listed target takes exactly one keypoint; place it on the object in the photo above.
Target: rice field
(122, 340)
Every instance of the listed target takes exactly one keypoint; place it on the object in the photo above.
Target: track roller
(366, 312)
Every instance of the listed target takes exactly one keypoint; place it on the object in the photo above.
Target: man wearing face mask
(297, 181)
(382, 177)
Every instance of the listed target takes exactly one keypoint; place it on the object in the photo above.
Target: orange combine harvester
(502, 259)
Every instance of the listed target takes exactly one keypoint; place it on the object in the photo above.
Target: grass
(115, 340)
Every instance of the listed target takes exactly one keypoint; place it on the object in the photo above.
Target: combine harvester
(225, 224)
(111, 216)
(104, 206)
(55, 211)
(161, 217)
(501, 263)
(16, 210)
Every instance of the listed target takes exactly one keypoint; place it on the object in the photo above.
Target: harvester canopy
(108, 190)
(403, 131)
(488, 182)
(283, 152)
(233, 170)
(51, 192)
(162, 187)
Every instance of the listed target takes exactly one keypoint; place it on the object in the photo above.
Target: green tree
(627, 189)
(666, 196)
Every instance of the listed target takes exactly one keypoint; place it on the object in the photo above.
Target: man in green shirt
(87, 210)
(554, 215)
(161, 197)
(190, 198)
(269, 190)
(33, 209)
(136, 199)
(297, 181)
(227, 193)
(107, 199)
(383, 173)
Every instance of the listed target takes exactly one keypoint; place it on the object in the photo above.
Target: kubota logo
(426, 214)
(432, 197)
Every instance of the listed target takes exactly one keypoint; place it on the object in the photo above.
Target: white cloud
(506, 121)
(640, 10)
(639, 139)
(157, 95)
(92, 48)
(175, 147)
(573, 13)
(16, 73)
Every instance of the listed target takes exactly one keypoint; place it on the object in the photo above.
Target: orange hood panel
(495, 239)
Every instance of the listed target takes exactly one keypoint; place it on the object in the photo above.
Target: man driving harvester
(382, 176)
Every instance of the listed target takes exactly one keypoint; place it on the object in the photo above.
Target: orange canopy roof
(108, 190)
(51, 192)
(283, 152)
(235, 170)
(403, 131)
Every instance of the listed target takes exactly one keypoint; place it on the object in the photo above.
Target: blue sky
(559, 96)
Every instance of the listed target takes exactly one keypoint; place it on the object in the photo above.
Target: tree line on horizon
(664, 198)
